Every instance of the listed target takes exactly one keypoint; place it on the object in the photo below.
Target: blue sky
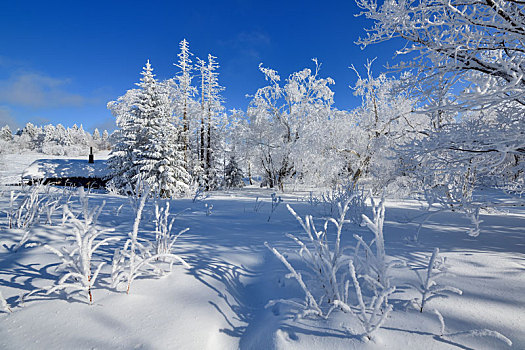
(62, 61)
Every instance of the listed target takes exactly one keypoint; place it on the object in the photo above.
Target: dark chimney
(91, 158)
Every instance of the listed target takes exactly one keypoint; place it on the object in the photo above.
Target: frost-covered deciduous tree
(475, 48)
(481, 42)
(283, 121)
(384, 121)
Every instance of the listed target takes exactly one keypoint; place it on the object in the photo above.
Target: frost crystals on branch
(77, 261)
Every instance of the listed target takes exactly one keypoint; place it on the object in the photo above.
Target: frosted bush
(139, 257)
(164, 239)
(77, 260)
(428, 286)
(327, 284)
(372, 264)
(371, 314)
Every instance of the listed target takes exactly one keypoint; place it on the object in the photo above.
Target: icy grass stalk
(428, 287)
(77, 261)
(276, 200)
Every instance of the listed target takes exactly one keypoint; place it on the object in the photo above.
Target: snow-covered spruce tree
(233, 174)
(147, 144)
(182, 97)
(6, 134)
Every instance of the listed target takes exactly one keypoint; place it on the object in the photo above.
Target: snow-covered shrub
(371, 315)
(139, 257)
(164, 239)
(77, 260)
(327, 287)
(26, 212)
(323, 261)
(26, 207)
(428, 286)
(338, 195)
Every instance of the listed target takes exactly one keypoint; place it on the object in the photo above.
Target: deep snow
(219, 303)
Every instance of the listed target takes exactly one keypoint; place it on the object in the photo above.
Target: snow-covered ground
(219, 303)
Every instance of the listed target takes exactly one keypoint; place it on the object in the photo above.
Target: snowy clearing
(219, 303)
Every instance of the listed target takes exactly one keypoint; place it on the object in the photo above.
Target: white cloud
(37, 90)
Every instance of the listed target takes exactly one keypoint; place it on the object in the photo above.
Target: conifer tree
(211, 107)
(233, 174)
(147, 143)
(185, 93)
(6, 134)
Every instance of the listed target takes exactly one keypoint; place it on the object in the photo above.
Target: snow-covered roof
(65, 168)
